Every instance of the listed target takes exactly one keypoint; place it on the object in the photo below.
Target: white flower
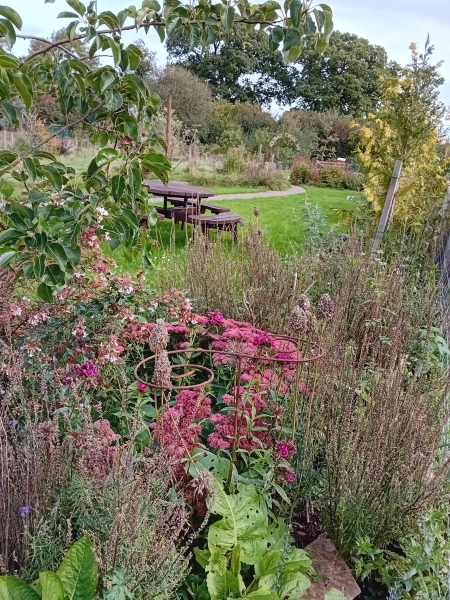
(107, 236)
(101, 212)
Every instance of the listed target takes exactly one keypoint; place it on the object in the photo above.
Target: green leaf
(71, 30)
(7, 157)
(6, 255)
(43, 154)
(293, 53)
(78, 571)
(202, 557)
(106, 156)
(295, 12)
(109, 18)
(24, 88)
(275, 38)
(45, 293)
(114, 100)
(11, 113)
(134, 55)
(39, 266)
(67, 15)
(78, 6)
(73, 254)
(53, 175)
(115, 49)
(58, 253)
(12, 588)
(6, 189)
(8, 62)
(227, 16)
(12, 16)
(30, 168)
(291, 39)
(10, 32)
(107, 79)
(335, 594)
(55, 224)
(52, 588)
(117, 187)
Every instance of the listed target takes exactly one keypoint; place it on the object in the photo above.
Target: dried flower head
(298, 321)
(256, 211)
(159, 336)
(325, 308)
(303, 302)
(163, 368)
(312, 328)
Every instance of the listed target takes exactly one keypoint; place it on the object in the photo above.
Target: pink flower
(289, 477)
(89, 369)
(142, 387)
(263, 339)
(283, 450)
(215, 318)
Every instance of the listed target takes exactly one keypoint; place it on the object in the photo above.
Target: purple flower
(215, 317)
(89, 369)
(283, 450)
(14, 422)
(263, 339)
(284, 356)
(24, 511)
(143, 387)
(289, 477)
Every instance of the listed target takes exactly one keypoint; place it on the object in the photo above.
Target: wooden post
(168, 125)
(388, 207)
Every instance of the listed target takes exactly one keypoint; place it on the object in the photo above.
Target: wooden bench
(216, 210)
(222, 222)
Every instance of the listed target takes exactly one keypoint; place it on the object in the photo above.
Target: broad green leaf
(293, 585)
(39, 266)
(202, 557)
(12, 16)
(134, 56)
(53, 275)
(43, 154)
(115, 49)
(107, 79)
(67, 15)
(227, 16)
(58, 253)
(24, 88)
(6, 255)
(275, 38)
(73, 254)
(30, 168)
(52, 588)
(45, 293)
(110, 19)
(12, 588)
(106, 156)
(77, 6)
(55, 224)
(7, 157)
(10, 234)
(11, 113)
(292, 54)
(71, 31)
(10, 33)
(291, 39)
(221, 582)
(8, 62)
(78, 571)
(244, 522)
(53, 175)
(117, 187)
(152, 216)
(6, 189)
(114, 100)
(295, 12)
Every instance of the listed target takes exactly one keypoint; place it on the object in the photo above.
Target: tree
(191, 97)
(406, 128)
(345, 77)
(239, 68)
(147, 67)
(46, 218)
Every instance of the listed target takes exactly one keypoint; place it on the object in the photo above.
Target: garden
(183, 417)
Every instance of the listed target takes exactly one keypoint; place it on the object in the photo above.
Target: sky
(393, 24)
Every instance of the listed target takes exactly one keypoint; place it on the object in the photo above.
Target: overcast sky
(393, 24)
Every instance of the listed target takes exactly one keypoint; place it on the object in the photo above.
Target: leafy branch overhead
(43, 221)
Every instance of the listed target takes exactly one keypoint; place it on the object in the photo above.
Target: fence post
(388, 207)
(168, 125)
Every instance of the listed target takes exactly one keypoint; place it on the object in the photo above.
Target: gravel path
(295, 189)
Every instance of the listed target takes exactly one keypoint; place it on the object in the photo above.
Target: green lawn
(282, 218)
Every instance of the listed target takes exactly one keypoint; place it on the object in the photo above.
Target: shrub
(234, 160)
(331, 177)
(301, 173)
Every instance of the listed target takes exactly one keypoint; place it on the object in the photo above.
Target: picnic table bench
(222, 222)
(214, 208)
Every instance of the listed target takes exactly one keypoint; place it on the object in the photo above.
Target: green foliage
(76, 578)
(406, 127)
(244, 538)
(419, 569)
(331, 177)
(116, 107)
(345, 77)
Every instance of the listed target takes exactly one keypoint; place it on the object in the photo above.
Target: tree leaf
(52, 588)
(57, 252)
(6, 189)
(117, 187)
(43, 154)
(78, 571)
(115, 49)
(53, 175)
(106, 156)
(107, 80)
(12, 588)
(134, 56)
(6, 255)
(275, 38)
(39, 266)
(7, 157)
(227, 16)
(10, 113)
(67, 15)
(30, 168)
(291, 39)
(295, 12)
(45, 293)
(8, 62)
(10, 32)
(12, 16)
(78, 6)
(24, 88)
(110, 19)
(114, 100)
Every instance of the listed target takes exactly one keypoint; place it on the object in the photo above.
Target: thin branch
(17, 161)
(52, 45)
(43, 40)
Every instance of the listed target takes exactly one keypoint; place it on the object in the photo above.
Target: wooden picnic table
(175, 189)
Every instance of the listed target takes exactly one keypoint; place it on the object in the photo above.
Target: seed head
(325, 308)
(303, 302)
(256, 211)
(298, 321)
(163, 368)
(159, 336)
